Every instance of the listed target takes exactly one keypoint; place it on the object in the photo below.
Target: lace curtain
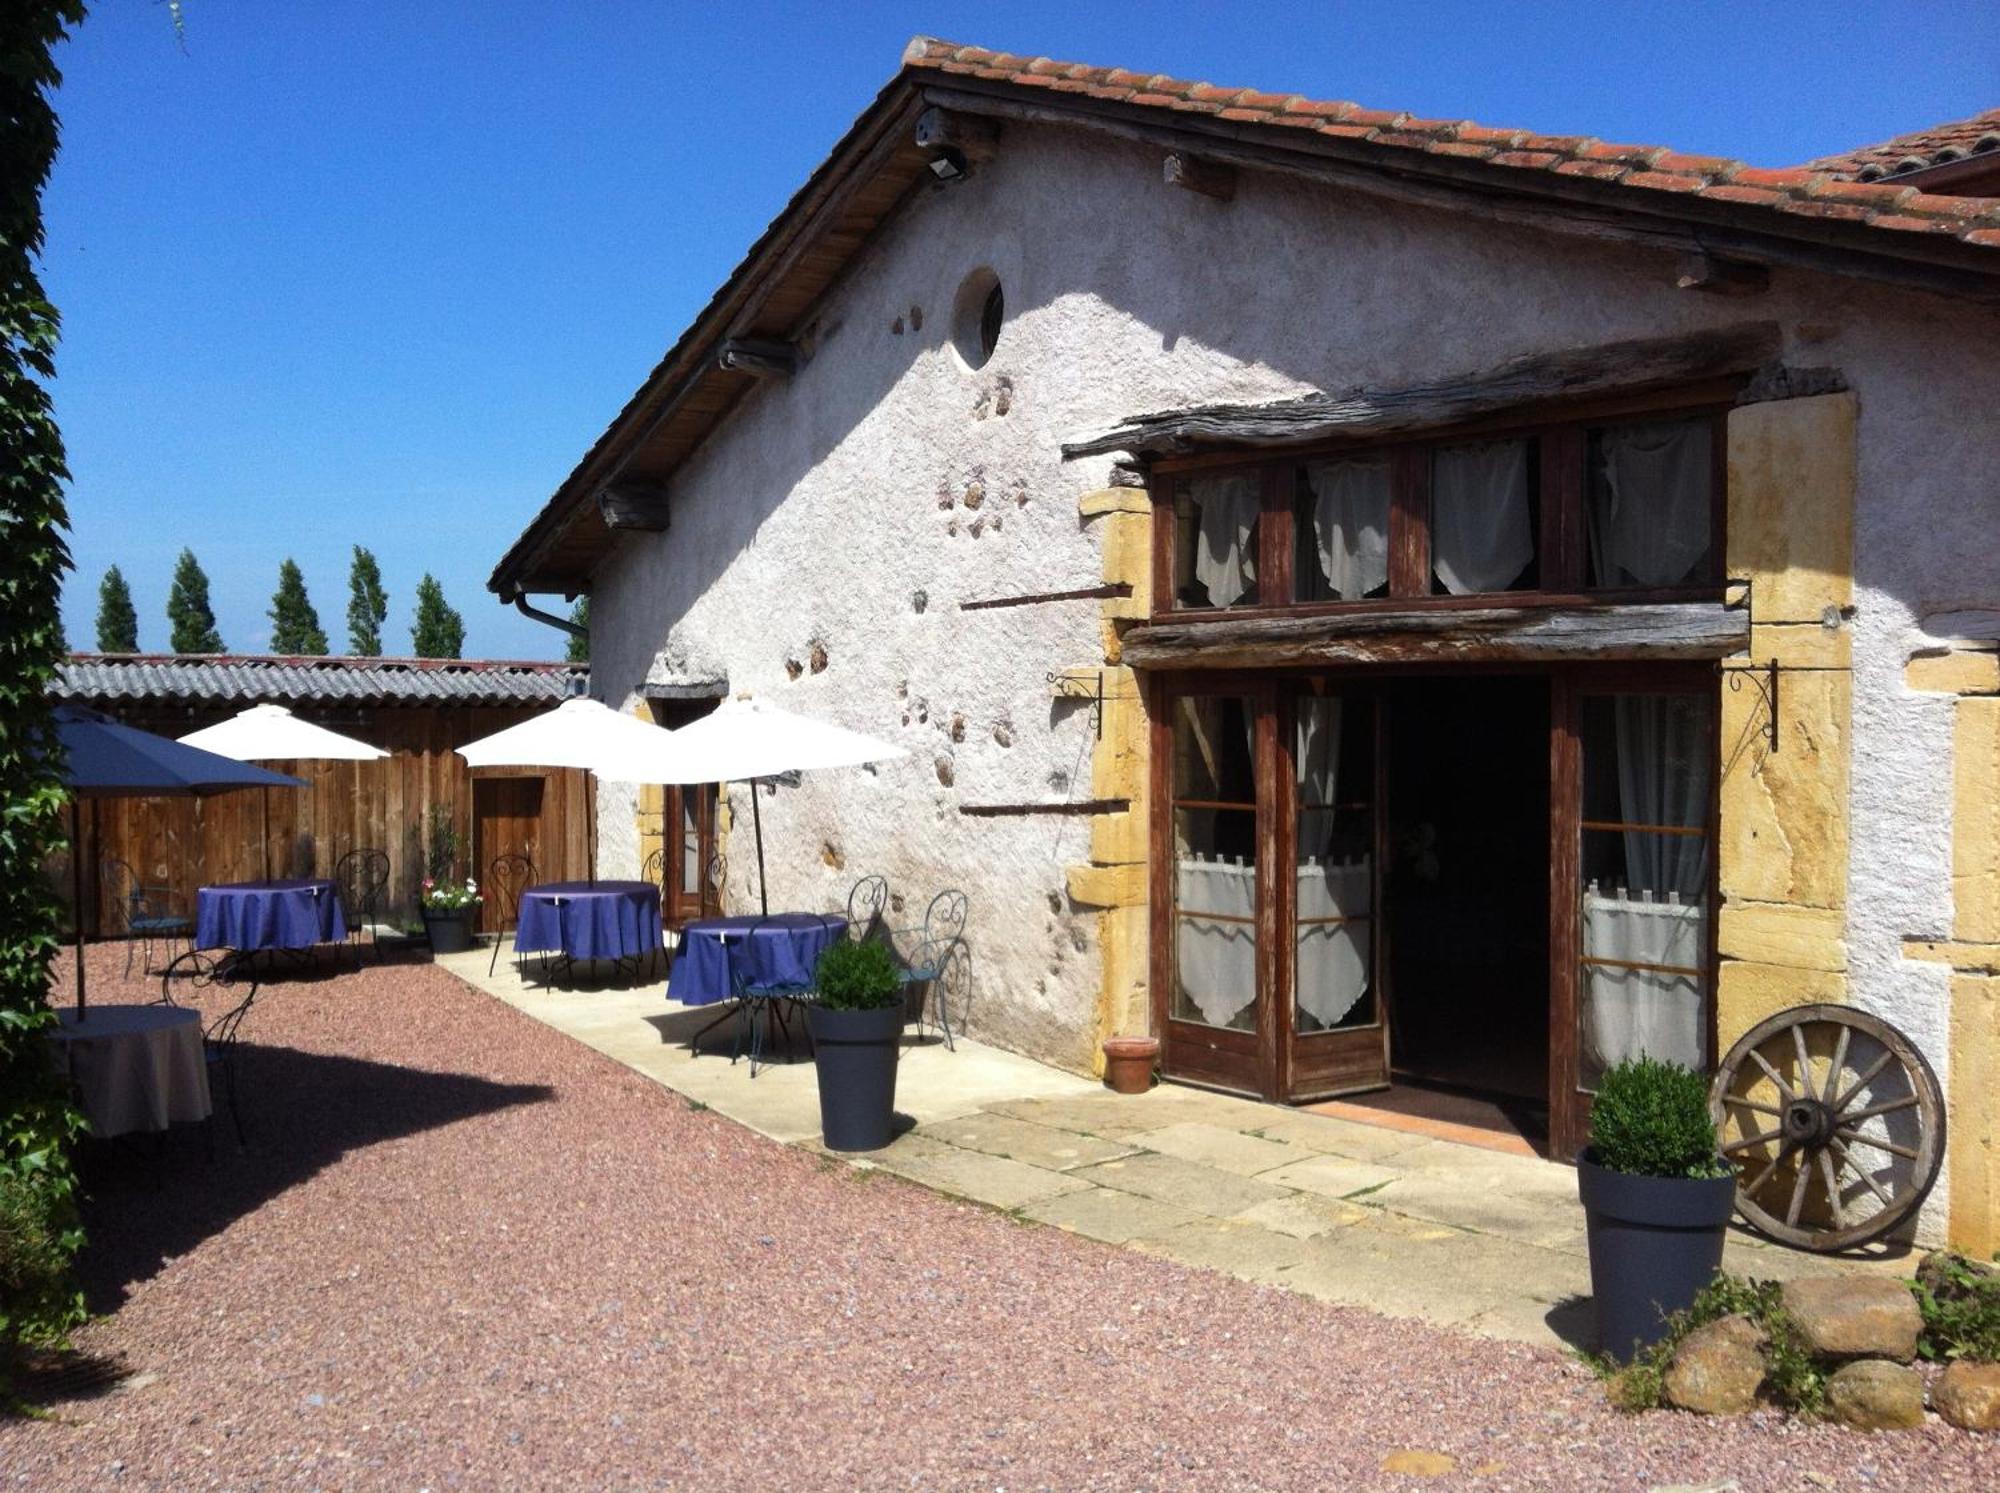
(1650, 508)
(1225, 553)
(1482, 536)
(1350, 519)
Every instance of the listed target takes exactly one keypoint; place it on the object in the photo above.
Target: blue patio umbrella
(103, 759)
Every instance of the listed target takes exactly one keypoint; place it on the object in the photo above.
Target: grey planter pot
(449, 932)
(856, 1052)
(1654, 1243)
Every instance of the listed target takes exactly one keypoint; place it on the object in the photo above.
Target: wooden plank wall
(183, 844)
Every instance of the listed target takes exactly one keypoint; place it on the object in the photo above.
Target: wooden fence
(182, 844)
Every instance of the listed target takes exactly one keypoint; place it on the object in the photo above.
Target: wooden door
(506, 820)
(688, 890)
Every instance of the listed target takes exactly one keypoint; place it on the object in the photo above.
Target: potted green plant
(1656, 1195)
(449, 904)
(857, 1028)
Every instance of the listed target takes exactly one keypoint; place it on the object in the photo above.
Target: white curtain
(1481, 534)
(1351, 523)
(1631, 1013)
(1649, 522)
(1663, 776)
(1225, 558)
(1316, 758)
(1331, 971)
(1216, 959)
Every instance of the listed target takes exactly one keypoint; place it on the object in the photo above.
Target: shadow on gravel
(149, 1198)
(1573, 1320)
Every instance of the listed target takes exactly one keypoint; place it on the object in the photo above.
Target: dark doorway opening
(1466, 899)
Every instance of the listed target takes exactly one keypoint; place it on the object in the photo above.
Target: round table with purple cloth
(590, 919)
(719, 954)
(268, 915)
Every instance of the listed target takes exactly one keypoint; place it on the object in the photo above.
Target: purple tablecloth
(783, 948)
(590, 920)
(268, 915)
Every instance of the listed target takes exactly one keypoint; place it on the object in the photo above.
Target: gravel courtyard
(463, 1251)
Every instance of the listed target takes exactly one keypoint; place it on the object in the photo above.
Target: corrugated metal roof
(97, 678)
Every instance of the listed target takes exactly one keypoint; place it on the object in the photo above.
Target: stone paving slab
(1225, 1150)
(1240, 1249)
(993, 1180)
(1182, 1183)
(1303, 1215)
(1336, 1136)
(1112, 1216)
(1023, 1140)
(1332, 1176)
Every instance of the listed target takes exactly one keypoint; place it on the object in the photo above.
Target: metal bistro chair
(655, 872)
(867, 902)
(506, 877)
(936, 957)
(193, 977)
(767, 996)
(141, 913)
(362, 875)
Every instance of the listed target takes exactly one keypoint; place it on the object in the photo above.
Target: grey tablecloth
(136, 1067)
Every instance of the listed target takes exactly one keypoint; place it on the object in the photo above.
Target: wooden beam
(1210, 178)
(1080, 807)
(1720, 276)
(633, 505)
(1080, 593)
(1611, 368)
(758, 356)
(1442, 635)
(973, 136)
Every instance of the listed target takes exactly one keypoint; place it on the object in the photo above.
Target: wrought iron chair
(362, 875)
(768, 997)
(867, 901)
(718, 876)
(506, 877)
(937, 958)
(655, 872)
(141, 913)
(231, 980)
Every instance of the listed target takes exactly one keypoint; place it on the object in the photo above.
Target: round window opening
(977, 316)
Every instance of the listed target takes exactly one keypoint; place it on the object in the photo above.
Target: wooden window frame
(1562, 447)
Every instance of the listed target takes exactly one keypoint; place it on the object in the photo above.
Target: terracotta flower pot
(1128, 1063)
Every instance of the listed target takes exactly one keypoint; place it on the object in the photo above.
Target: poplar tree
(440, 631)
(189, 615)
(367, 606)
(294, 624)
(117, 622)
(579, 646)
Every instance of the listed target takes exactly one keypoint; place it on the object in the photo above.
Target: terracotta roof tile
(1826, 188)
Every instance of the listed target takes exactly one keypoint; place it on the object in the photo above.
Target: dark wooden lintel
(1209, 178)
(1084, 806)
(758, 357)
(1442, 635)
(1633, 367)
(1719, 276)
(633, 505)
(974, 136)
(1081, 593)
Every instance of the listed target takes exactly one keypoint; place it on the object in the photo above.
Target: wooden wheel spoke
(1805, 1062)
(1839, 1059)
(1771, 1073)
(1908, 1101)
(1757, 1182)
(1832, 1180)
(1856, 1138)
(1867, 1178)
(1753, 1105)
(1867, 1077)
(1761, 1138)
(1798, 1197)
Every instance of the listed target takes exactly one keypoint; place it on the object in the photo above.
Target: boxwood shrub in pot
(857, 1029)
(1657, 1196)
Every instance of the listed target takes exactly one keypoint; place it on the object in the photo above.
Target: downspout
(521, 606)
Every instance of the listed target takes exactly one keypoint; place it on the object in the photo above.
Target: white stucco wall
(825, 503)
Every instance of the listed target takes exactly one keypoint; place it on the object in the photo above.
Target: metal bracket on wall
(1765, 677)
(1068, 687)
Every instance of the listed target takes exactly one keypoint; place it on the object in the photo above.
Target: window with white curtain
(1649, 503)
(1340, 528)
(1217, 522)
(1215, 863)
(1483, 517)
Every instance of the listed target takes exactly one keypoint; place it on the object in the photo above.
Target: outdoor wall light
(948, 164)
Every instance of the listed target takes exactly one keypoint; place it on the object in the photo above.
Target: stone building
(1572, 562)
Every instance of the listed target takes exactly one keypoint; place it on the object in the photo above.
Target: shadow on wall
(302, 1112)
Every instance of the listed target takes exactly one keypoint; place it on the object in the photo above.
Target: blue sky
(379, 271)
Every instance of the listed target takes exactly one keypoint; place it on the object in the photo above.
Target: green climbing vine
(38, 1230)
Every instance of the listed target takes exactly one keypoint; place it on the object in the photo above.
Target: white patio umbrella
(741, 740)
(271, 733)
(578, 733)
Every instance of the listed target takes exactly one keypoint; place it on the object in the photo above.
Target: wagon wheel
(1834, 1123)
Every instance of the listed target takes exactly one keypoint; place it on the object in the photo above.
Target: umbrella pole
(76, 892)
(590, 825)
(757, 823)
(266, 793)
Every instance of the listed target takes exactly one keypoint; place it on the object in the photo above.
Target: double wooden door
(1272, 967)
